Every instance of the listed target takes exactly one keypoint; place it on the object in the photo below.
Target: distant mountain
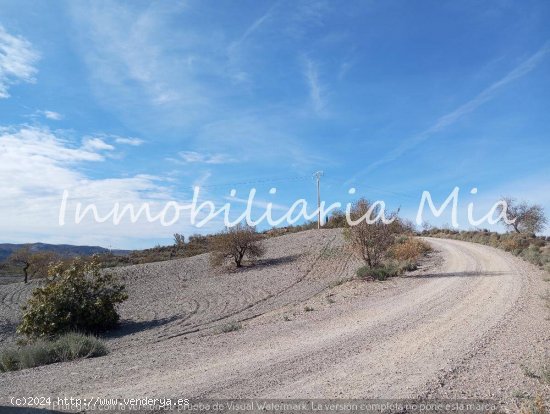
(66, 250)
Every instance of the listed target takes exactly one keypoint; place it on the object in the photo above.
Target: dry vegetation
(385, 244)
(33, 265)
(67, 347)
(529, 247)
(234, 244)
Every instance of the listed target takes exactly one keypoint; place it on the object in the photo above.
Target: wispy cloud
(54, 116)
(257, 203)
(190, 157)
(316, 92)
(135, 142)
(451, 118)
(261, 139)
(96, 144)
(139, 61)
(345, 66)
(252, 28)
(17, 61)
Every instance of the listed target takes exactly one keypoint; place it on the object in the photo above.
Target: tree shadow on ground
(277, 260)
(472, 273)
(261, 263)
(128, 327)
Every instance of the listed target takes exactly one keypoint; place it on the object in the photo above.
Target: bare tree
(22, 258)
(523, 217)
(235, 243)
(34, 265)
(41, 262)
(371, 240)
(179, 242)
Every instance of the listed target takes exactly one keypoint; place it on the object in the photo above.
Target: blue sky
(139, 101)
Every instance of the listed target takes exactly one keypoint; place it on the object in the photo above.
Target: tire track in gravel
(457, 324)
(213, 323)
(390, 347)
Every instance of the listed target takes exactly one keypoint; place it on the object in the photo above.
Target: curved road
(471, 327)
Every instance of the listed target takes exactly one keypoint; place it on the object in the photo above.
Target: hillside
(468, 324)
(65, 250)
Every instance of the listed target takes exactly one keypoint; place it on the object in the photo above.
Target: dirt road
(475, 325)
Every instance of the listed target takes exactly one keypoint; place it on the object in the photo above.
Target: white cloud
(54, 116)
(17, 60)
(96, 144)
(135, 142)
(196, 157)
(37, 165)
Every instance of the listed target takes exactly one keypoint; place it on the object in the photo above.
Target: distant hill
(66, 250)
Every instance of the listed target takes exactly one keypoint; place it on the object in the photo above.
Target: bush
(409, 249)
(408, 266)
(231, 327)
(372, 235)
(43, 352)
(377, 273)
(77, 298)
(533, 255)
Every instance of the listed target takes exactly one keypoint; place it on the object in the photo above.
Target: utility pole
(318, 176)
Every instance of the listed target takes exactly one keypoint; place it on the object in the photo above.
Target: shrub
(408, 266)
(536, 406)
(371, 236)
(533, 255)
(409, 249)
(377, 273)
(78, 297)
(9, 360)
(68, 347)
(231, 327)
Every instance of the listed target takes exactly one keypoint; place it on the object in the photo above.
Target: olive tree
(236, 243)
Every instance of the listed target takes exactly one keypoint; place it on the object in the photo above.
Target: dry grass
(231, 327)
(409, 249)
(536, 406)
(43, 352)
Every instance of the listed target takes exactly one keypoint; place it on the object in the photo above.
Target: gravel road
(471, 323)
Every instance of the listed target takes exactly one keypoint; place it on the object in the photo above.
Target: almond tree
(522, 217)
(370, 239)
(33, 265)
(235, 243)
